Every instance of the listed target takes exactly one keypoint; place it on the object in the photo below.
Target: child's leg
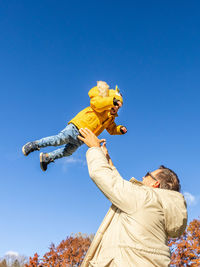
(64, 151)
(64, 137)
(69, 135)
(67, 150)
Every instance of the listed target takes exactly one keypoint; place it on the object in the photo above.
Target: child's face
(114, 110)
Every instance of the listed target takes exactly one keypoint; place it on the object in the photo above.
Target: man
(142, 216)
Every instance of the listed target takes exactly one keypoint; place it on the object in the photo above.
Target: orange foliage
(33, 262)
(70, 252)
(186, 249)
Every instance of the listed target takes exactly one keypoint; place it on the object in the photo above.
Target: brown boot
(44, 161)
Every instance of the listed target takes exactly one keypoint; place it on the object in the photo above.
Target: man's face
(148, 180)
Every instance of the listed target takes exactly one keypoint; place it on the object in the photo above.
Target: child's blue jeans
(67, 136)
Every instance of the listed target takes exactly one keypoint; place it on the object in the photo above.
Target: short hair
(168, 179)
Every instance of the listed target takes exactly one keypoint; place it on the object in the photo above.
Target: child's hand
(123, 130)
(89, 138)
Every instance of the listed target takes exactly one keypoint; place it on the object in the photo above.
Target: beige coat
(135, 230)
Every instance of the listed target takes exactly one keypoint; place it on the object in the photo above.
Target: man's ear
(156, 184)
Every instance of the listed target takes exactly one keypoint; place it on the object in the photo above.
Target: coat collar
(134, 181)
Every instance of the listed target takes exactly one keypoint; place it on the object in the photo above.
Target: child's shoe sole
(41, 162)
(23, 151)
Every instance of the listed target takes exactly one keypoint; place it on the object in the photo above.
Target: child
(104, 104)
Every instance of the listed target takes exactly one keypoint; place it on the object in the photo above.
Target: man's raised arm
(119, 191)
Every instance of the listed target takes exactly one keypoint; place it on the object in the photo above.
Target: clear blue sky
(51, 54)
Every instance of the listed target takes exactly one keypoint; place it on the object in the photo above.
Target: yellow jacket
(97, 117)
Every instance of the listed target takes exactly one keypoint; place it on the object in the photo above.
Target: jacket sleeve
(99, 103)
(114, 129)
(123, 194)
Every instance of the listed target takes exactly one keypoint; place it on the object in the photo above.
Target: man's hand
(123, 130)
(89, 138)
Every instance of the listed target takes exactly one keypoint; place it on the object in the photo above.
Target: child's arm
(114, 129)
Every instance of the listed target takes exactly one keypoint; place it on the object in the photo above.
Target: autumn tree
(15, 263)
(33, 262)
(186, 249)
(13, 260)
(70, 252)
(3, 263)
